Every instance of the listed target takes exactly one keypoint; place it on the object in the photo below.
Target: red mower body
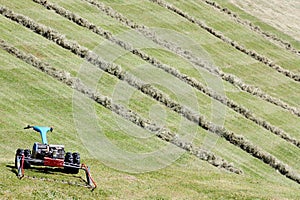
(51, 155)
(53, 162)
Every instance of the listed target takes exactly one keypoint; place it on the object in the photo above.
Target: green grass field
(124, 170)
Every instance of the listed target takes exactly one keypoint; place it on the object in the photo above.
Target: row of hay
(271, 37)
(191, 81)
(237, 140)
(252, 53)
(129, 115)
(83, 22)
(193, 59)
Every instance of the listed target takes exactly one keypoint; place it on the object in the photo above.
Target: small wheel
(76, 161)
(27, 154)
(76, 158)
(19, 152)
(68, 160)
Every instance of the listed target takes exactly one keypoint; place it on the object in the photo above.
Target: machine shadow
(47, 170)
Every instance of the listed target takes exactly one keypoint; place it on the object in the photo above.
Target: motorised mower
(44, 154)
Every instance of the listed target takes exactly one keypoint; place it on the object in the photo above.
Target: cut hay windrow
(183, 77)
(150, 34)
(162, 133)
(166, 135)
(269, 36)
(252, 53)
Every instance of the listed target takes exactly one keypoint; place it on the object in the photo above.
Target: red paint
(53, 162)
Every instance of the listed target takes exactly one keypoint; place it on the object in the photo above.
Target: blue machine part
(43, 132)
(35, 147)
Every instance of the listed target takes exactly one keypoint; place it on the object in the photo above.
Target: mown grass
(175, 59)
(31, 97)
(249, 132)
(225, 56)
(258, 22)
(244, 36)
(173, 62)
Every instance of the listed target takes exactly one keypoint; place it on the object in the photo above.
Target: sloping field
(166, 99)
(283, 15)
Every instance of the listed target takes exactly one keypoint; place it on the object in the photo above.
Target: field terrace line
(253, 90)
(183, 77)
(162, 133)
(82, 52)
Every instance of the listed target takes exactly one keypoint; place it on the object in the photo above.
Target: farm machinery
(44, 154)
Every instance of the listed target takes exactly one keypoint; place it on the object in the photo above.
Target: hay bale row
(189, 56)
(194, 83)
(252, 53)
(129, 115)
(255, 28)
(163, 133)
(191, 81)
(111, 68)
(208, 156)
(222, 99)
(84, 23)
(237, 140)
(91, 57)
(140, 28)
(112, 13)
(61, 40)
(258, 92)
(255, 151)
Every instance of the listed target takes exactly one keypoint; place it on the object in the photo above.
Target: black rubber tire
(76, 161)
(18, 152)
(27, 154)
(72, 159)
(69, 157)
(68, 160)
(76, 158)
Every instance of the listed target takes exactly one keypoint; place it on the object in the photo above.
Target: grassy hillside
(150, 61)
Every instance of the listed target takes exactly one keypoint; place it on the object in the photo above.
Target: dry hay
(129, 115)
(163, 133)
(193, 59)
(283, 15)
(269, 36)
(252, 53)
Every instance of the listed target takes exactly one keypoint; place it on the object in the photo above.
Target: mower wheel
(76, 161)
(69, 161)
(27, 154)
(69, 158)
(73, 160)
(76, 158)
(19, 152)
